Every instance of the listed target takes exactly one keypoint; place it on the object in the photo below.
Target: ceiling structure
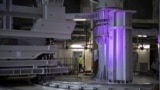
(143, 19)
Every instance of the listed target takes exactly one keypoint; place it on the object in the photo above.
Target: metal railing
(71, 63)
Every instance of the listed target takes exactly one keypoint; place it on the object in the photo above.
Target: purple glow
(111, 39)
(102, 40)
(119, 53)
(159, 39)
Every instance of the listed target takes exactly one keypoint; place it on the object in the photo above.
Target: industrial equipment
(33, 57)
(33, 51)
(114, 39)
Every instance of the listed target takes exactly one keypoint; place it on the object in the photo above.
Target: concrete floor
(140, 79)
(79, 80)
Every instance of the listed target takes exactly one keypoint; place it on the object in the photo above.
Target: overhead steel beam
(149, 32)
(135, 32)
(22, 11)
(20, 33)
(34, 12)
(27, 48)
(4, 63)
(78, 16)
(32, 34)
(145, 21)
(78, 29)
(79, 35)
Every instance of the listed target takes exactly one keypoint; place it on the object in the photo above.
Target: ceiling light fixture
(141, 35)
(79, 19)
(77, 46)
(145, 46)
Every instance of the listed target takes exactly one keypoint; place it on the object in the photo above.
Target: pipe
(91, 23)
(8, 18)
(86, 35)
(45, 8)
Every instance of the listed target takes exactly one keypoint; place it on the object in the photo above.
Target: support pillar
(101, 30)
(7, 20)
(114, 39)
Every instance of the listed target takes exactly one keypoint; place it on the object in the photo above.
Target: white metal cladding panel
(11, 63)
(24, 52)
(27, 48)
(34, 34)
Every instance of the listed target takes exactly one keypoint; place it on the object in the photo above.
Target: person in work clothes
(80, 63)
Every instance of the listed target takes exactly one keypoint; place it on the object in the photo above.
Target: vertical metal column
(45, 9)
(4, 17)
(9, 18)
(120, 48)
(102, 26)
(114, 40)
(124, 43)
(4, 22)
(91, 24)
(93, 44)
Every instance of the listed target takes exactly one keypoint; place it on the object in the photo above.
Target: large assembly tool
(29, 55)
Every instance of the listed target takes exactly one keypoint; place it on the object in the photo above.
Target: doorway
(76, 55)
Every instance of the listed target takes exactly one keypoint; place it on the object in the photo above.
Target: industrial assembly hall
(79, 44)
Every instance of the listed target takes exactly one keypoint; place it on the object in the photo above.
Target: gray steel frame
(30, 67)
(31, 71)
(21, 60)
(25, 52)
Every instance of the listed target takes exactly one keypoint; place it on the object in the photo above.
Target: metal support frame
(22, 11)
(148, 32)
(31, 71)
(9, 18)
(25, 60)
(20, 60)
(30, 12)
(29, 63)
(4, 22)
(24, 52)
(3, 17)
(33, 34)
(43, 28)
(44, 8)
(36, 13)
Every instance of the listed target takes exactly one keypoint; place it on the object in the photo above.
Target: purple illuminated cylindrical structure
(102, 27)
(114, 41)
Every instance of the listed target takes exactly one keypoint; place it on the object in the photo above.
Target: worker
(80, 63)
